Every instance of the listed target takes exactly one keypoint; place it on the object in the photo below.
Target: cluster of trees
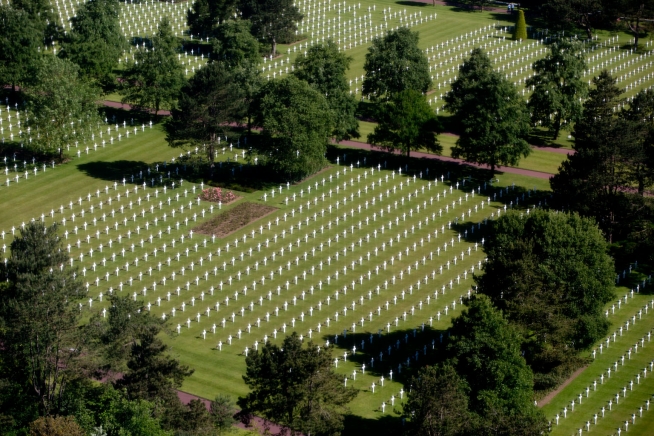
(632, 16)
(609, 174)
(52, 363)
(539, 302)
(483, 385)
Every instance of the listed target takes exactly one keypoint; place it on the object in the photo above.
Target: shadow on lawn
(385, 425)
(113, 171)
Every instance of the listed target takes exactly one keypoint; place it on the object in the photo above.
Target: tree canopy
(406, 122)
(437, 404)
(95, 41)
(234, 45)
(19, 43)
(395, 63)
(155, 77)
(492, 116)
(205, 15)
(295, 386)
(59, 101)
(324, 67)
(549, 272)
(273, 21)
(207, 106)
(558, 86)
(485, 351)
(296, 124)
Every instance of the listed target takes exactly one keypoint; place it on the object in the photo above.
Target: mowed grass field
(160, 256)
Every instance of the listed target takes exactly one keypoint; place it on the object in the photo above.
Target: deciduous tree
(437, 404)
(296, 124)
(273, 21)
(556, 102)
(485, 351)
(61, 106)
(492, 116)
(19, 43)
(207, 106)
(41, 341)
(550, 274)
(234, 45)
(395, 63)
(324, 67)
(95, 41)
(155, 77)
(203, 17)
(295, 386)
(406, 122)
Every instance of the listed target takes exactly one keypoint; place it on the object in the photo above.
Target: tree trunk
(274, 46)
(636, 33)
(557, 126)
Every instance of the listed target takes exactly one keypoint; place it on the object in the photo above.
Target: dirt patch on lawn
(234, 219)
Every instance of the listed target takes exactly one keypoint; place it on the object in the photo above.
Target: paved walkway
(503, 169)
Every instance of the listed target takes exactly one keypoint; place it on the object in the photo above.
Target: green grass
(221, 371)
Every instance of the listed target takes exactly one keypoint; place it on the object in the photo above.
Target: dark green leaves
(406, 122)
(296, 122)
(296, 387)
(393, 64)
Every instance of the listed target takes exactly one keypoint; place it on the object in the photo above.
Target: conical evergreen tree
(520, 33)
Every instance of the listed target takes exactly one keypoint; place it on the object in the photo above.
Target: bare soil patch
(234, 219)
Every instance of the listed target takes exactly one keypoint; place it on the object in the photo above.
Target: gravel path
(510, 170)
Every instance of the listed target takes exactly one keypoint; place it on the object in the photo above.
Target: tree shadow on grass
(385, 425)
(113, 170)
(412, 3)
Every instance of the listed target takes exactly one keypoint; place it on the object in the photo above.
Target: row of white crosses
(142, 18)
(598, 352)
(605, 380)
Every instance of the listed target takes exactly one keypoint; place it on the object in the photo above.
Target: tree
(558, 86)
(568, 14)
(520, 31)
(395, 63)
(58, 102)
(234, 45)
(273, 21)
(152, 375)
(493, 117)
(406, 122)
(95, 41)
(296, 124)
(205, 15)
(19, 43)
(207, 106)
(222, 413)
(476, 69)
(640, 115)
(592, 181)
(155, 77)
(324, 67)
(633, 14)
(295, 386)
(550, 274)
(41, 341)
(485, 351)
(437, 403)
(55, 426)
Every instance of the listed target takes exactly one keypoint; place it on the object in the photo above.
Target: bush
(217, 195)
(520, 33)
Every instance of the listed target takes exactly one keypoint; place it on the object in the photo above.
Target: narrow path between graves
(556, 391)
(503, 169)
